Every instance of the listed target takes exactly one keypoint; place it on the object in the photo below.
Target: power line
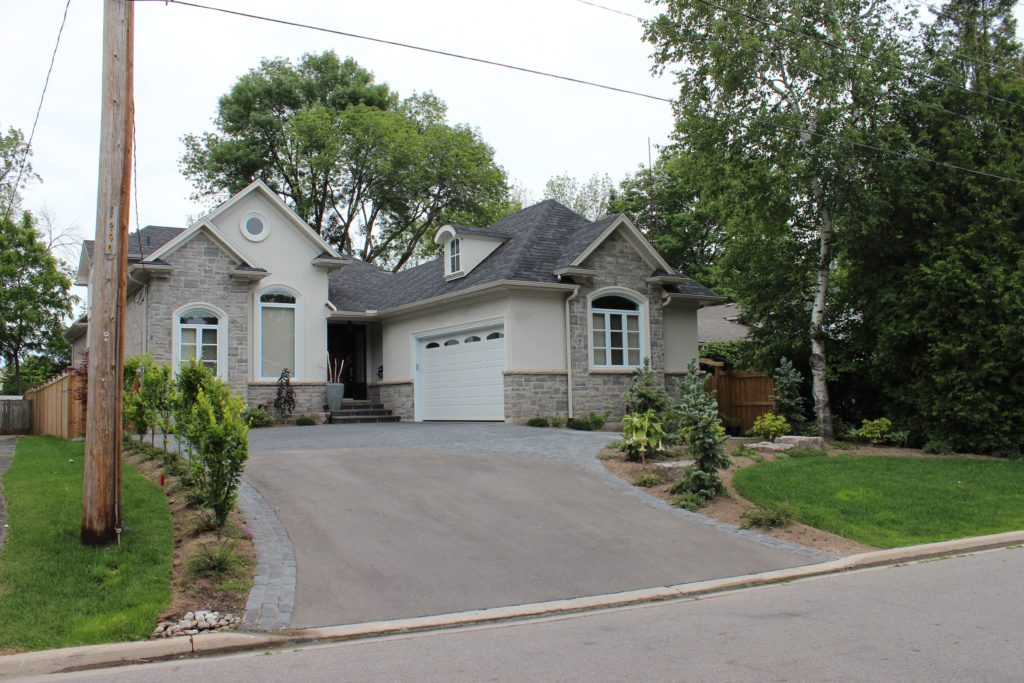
(612, 9)
(765, 22)
(35, 122)
(408, 46)
(285, 22)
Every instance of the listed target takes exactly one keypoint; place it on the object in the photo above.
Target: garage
(460, 375)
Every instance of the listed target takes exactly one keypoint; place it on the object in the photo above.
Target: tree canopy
(588, 198)
(370, 172)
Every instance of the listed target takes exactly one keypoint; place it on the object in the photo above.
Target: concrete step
(360, 405)
(365, 419)
(369, 412)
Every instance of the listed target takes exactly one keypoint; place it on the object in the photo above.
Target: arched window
(452, 342)
(470, 340)
(200, 337)
(495, 335)
(433, 345)
(615, 341)
(277, 333)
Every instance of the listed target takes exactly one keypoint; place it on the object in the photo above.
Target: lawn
(893, 501)
(54, 592)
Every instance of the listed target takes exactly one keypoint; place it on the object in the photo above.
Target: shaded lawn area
(55, 592)
(890, 501)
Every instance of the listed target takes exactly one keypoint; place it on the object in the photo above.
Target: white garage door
(461, 376)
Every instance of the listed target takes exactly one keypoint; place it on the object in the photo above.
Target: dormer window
(454, 253)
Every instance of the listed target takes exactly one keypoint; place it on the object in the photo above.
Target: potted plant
(335, 386)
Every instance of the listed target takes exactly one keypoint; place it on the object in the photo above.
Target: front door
(346, 345)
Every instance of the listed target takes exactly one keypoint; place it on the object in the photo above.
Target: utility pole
(101, 493)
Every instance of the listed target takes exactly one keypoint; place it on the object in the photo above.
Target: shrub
(737, 355)
(257, 417)
(557, 421)
(647, 393)
(646, 480)
(214, 560)
(937, 446)
(698, 412)
(745, 451)
(537, 422)
(216, 433)
(705, 485)
(787, 399)
(689, 501)
(642, 434)
(284, 402)
(157, 390)
(591, 423)
(768, 518)
(875, 431)
(305, 421)
(770, 426)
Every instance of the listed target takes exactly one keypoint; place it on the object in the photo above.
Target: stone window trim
(258, 330)
(222, 334)
(643, 315)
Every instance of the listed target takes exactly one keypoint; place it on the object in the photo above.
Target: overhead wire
(285, 22)
(35, 122)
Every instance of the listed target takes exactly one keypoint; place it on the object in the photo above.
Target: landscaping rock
(770, 446)
(671, 469)
(803, 441)
(202, 621)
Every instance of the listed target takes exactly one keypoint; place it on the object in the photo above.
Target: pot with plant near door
(335, 387)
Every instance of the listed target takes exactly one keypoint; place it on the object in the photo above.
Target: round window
(254, 227)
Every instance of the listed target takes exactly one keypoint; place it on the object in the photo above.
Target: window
(198, 337)
(277, 334)
(495, 335)
(452, 342)
(470, 340)
(433, 345)
(616, 332)
(254, 227)
(454, 261)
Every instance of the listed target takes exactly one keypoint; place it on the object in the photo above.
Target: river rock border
(272, 598)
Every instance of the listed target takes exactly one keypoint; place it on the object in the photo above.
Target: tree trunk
(819, 364)
(17, 374)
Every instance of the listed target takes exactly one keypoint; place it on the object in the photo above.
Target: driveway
(401, 520)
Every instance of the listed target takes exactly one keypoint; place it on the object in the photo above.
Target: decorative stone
(184, 623)
(672, 468)
(770, 447)
(803, 441)
(189, 616)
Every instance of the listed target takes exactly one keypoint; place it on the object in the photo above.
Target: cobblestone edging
(272, 598)
(6, 455)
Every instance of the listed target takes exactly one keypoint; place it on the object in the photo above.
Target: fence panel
(56, 410)
(15, 416)
(743, 396)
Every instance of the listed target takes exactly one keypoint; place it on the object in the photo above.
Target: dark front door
(346, 343)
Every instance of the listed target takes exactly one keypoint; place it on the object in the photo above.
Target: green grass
(891, 502)
(55, 592)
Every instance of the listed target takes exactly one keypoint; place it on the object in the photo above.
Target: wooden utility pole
(101, 494)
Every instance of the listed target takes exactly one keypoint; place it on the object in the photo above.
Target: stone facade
(535, 395)
(618, 265)
(201, 276)
(397, 397)
(310, 397)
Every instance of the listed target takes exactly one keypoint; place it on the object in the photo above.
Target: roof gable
(202, 226)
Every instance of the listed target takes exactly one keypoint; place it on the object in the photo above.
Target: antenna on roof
(650, 192)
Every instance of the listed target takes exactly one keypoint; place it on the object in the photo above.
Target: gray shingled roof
(720, 323)
(149, 238)
(540, 239)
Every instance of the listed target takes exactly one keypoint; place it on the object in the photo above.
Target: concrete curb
(116, 654)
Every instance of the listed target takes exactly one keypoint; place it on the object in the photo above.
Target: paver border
(272, 597)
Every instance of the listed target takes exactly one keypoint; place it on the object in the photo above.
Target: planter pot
(335, 392)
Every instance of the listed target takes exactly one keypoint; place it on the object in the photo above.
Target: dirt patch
(226, 591)
(730, 509)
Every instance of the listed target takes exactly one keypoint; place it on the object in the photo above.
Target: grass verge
(889, 501)
(55, 592)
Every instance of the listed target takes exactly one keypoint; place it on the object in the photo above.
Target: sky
(186, 58)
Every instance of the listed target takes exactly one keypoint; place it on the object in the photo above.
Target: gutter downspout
(568, 348)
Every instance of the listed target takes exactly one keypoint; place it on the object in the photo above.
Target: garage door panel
(463, 381)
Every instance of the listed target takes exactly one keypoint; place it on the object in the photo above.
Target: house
(542, 313)
(720, 323)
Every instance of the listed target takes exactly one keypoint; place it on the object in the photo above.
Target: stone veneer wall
(398, 398)
(542, 394)
(201, 275)
(310, 397)
(618, 265)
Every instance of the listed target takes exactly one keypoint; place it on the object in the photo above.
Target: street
(955, 619)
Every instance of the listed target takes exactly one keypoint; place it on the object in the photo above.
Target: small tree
(788, 401)
(699, 414)
(135, 410)
(647, 393)
(284, 402)
(158, 392)
(193, 376)
(217, 433)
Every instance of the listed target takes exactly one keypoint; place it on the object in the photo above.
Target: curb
(118, 654)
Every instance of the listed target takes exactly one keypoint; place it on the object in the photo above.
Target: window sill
(613, 371)
(454, 276)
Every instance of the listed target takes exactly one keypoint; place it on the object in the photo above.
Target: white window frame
(641, 314)
(222, 336)
(454, 256)
(248, 235)
(260, 304)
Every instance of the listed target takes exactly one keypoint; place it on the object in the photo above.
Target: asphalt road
(957, 619)
(424, 524)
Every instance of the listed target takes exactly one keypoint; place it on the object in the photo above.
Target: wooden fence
(15, 416)
(56, 408)
(742, 396)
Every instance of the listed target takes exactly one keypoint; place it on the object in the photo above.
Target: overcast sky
(186, 58)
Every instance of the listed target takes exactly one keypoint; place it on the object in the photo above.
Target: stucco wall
(286, 253)
(535, 331)
(680, 336)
